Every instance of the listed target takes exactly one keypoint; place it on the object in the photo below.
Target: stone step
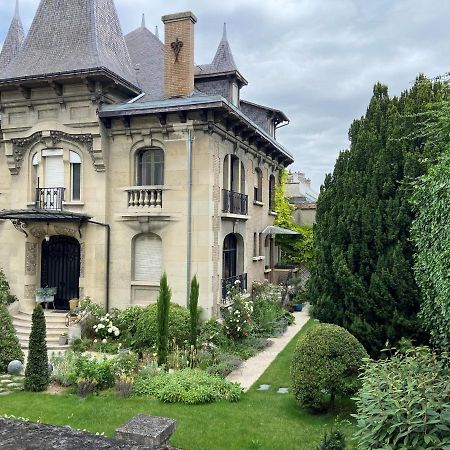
(49, 318)
(21, 325)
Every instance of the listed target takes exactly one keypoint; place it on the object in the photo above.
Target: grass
(261, 420)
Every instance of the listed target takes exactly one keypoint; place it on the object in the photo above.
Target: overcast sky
(317, 60)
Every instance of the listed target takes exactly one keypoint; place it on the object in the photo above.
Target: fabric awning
(272, 229)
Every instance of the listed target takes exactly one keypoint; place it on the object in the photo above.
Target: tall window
(272, 193)
(233, 174)
(75, 175)
(258, 185)
(147, 258)
(150, 167)
(230, 256)
(235, 94)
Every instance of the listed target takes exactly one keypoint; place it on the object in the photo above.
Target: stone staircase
(55, 327)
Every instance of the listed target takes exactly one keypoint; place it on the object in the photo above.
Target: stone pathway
(254, 367)
(10, 383)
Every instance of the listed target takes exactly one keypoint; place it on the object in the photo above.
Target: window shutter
(54, 171)
(147, 258)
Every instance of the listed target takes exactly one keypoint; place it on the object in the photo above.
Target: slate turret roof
(69, 36)
(147, 55)
(14, 40)
(223, 62)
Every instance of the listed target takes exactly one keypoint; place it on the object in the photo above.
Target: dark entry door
(60, 268)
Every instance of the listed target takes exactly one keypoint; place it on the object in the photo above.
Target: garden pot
(73, 303)
(62, 340)
(298, 307)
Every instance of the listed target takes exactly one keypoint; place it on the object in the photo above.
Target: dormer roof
(69, 36)
(14, 40)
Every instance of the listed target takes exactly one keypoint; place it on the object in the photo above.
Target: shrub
(223, 364)
(147, 328)
(99, 372)
(162, 338)
(81, 345)
(36, 373)
(92, 313)
(105, 329)
(126, 363)
(85, 387)
(212, 332)
(404, 402)
(237, 315)
(127, 321)
(124, 386)
(325, 364)
(187, 386)
(268, 319)
(5, 295)
(63, 368)
(193, 311)
(332, 440)
(9, 344)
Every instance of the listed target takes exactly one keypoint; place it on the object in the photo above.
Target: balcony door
(60, 268)
(51, 196)
(229, 256)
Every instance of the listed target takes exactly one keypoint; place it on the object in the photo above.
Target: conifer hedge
(9, 344)
(362, 278)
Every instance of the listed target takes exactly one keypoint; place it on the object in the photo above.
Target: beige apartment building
(120, 159)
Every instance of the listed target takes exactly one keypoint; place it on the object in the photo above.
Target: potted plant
(45, 294)
(62, 339)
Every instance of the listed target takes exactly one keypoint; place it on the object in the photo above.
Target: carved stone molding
(66, 230)
(20, 147)
(37, 230)
(29, 291)
(30, 258)
(82, 260)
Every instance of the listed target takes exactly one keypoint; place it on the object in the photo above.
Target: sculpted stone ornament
(176, 47)
(20, 146)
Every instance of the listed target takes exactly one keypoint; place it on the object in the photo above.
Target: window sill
(145, 283)
(234, 216)
(74, 203)
(258, 203)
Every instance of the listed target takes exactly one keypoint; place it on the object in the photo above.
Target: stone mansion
(121, 159)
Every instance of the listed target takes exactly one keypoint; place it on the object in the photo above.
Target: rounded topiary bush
(9, 344)
(147, 326)
(325, 364)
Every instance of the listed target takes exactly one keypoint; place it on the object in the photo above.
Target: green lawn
(261, 420)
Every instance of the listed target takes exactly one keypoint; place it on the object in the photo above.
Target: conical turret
(14, 40)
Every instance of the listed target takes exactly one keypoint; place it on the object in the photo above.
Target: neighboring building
(303, 197)
(121, 160)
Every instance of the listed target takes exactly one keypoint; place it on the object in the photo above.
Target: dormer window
(235, 94)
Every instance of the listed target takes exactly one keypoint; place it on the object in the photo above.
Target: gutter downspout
(189, 217)
(285, 124)
(108, 245)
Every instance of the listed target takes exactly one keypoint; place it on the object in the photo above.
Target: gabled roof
(147, 55)
(245, 104)
(223, 62)
(14, 40)
(69, 36)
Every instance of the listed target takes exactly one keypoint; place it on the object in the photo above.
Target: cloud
(315, 59)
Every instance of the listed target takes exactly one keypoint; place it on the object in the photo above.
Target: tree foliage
(362, 277)
(36, 373)
(165, 294)
(295, 250)
(431, 235)
(9, 344)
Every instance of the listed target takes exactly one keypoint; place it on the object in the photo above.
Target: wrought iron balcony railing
(50, 198)
(235, 202)
(227, 283)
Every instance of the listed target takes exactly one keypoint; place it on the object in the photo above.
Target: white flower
(237, 282)
(116, 333)
(104, 341)
(110, 330)
(95, 341)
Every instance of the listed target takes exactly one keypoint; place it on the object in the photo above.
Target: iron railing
(235, 202)
(227, 283)
(50, 198)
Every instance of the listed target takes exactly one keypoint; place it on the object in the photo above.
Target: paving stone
(264, 387)
(283, 391)
(5, 393)
(14, 385)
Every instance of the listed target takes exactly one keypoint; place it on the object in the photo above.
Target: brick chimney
(179, 54)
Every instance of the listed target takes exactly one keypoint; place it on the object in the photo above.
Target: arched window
(272, 193)
(75, 175)
(230, 256)
(233, 174)
(257, 189)
(147, 258)
(150, 167)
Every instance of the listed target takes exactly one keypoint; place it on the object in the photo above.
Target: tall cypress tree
(165, 294)
(36, 374)
(362, 277)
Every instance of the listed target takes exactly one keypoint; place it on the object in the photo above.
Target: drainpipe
(189, 216)
(108, 245)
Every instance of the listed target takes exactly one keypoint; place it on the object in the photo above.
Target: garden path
(254, 367)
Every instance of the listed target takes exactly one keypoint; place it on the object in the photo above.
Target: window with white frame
(147, 258)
